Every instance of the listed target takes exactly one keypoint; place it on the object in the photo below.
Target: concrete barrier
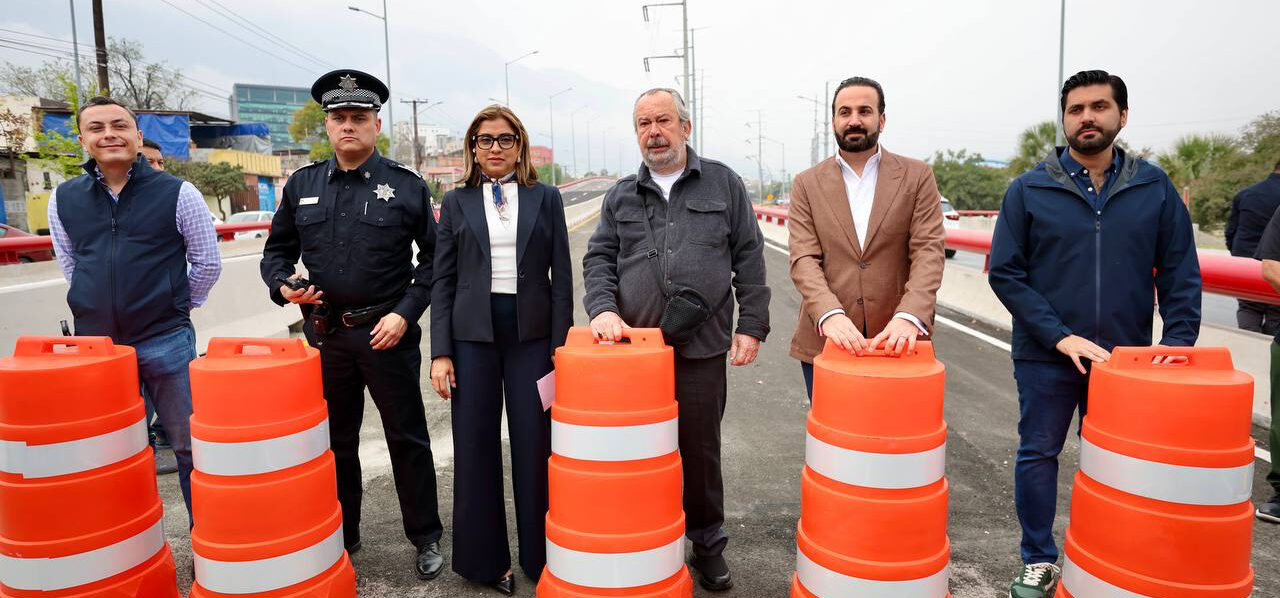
(33, 299)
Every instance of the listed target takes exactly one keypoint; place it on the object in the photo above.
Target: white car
(251, 216)
(950, 220)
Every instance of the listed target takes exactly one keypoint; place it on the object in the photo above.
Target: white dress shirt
(861, 191)
(502, 235)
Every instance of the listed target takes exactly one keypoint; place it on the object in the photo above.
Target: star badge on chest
(384, 192)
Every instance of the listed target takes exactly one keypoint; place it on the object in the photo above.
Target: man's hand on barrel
(608, 326)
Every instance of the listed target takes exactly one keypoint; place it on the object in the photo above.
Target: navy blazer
(463, 274)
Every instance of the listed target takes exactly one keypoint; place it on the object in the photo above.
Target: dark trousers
(1049, 395)
(1258, 317)
(164, 375)
(486, 373)
(1273, 477)
(348, 365)
(700, 392)
(806, 370)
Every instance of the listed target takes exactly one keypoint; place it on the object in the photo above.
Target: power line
(59, 54)
(257, 30)
(87, 54)
(237, 38)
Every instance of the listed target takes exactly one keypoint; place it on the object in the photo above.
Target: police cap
(349, 88)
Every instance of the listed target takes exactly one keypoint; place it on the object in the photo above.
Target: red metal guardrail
(12, 247)
(1237, 277)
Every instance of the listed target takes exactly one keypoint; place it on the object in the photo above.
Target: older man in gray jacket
(707, 240)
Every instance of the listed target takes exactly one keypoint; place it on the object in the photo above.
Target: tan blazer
(901, 267)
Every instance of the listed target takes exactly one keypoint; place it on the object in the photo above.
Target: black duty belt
(352, 317)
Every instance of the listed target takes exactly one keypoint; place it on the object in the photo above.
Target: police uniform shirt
(354, 231)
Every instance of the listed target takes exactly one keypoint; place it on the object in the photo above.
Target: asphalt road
(763, 454)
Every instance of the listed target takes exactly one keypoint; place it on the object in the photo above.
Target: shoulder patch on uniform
(395, 164)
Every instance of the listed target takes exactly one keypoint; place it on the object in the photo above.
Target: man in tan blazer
(866, 238)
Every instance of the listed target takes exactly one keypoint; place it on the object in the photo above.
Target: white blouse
(502, 236)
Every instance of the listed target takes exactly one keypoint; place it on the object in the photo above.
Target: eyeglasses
(505, 141)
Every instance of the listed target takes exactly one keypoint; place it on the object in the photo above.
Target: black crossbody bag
(686, 309)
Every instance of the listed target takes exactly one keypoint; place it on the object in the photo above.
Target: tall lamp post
(817, 105)
(386, 46)
(506, 69)
(551, 112)
(573, 137)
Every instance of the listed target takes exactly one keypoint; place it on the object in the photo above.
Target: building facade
(270, 104)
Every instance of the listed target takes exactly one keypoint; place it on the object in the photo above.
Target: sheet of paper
(547, 389)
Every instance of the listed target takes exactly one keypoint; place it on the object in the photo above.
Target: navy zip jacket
(1062, 268)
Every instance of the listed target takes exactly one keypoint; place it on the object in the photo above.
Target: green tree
(215, 180)
(1193, 156)
(307, 128)
(968, 184)
(56, 152)
(1034, 143)
(544, 174)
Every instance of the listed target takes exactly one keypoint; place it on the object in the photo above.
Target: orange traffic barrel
(615, 525)
(79, 511)
(873, 496)
(264, 492)
(1160, 506)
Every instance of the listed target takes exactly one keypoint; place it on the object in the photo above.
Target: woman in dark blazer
(501, 302)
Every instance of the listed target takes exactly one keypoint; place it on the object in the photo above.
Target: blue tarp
(171, 131)
(248, 137)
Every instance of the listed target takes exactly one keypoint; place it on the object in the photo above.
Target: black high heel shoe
(505, 584)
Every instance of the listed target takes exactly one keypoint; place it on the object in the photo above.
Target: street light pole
(594, 119)
(573, 138)
(1062, 46)
(506, 79)
(817, 105)
(551, 112)
(75, 46)
(386, 46)
(684, 15)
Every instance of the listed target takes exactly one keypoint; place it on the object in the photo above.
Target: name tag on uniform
(309, 201)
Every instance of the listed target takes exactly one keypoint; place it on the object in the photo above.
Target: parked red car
(33, 255)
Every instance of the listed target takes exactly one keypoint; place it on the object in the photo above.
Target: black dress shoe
(430, 563)
(506, 585)
(353, 547)
(712, 572)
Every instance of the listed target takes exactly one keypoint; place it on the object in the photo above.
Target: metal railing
(1238, 277)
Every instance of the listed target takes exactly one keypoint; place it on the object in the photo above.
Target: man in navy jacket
(1081, 241)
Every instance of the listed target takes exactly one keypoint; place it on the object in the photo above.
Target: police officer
(353, 219)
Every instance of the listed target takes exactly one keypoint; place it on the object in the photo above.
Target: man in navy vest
(124, 235)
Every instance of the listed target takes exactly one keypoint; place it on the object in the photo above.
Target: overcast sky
(957, 75)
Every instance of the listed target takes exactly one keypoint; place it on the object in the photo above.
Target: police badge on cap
(348, 88)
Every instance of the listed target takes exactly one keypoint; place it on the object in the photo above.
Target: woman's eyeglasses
(505, 141)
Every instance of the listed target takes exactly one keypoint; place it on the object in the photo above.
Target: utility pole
(417, 140)
(552, 114)
(826, 122)
(1062, 46)
(100, 48)
(684, 15)
(75, 47)
(597, 117)
(813, 149)
(696, 108)
(699, 115)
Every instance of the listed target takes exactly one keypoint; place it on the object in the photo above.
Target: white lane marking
(1258, 451)
(982, 336)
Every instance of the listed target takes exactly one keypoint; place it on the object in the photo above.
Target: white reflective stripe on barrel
(1181, 484)
(264, 575)
(260, 456)
(825, 583)
(1083, 584)
(615, 443)
(615, 570)
(60, 573)
(72, 456)
(892, 471)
